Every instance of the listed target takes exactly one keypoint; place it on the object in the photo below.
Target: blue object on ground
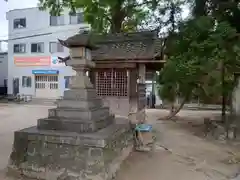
(143, 127)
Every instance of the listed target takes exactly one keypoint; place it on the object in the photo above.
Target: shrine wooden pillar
(142, 73)
(133, 98)
(141, 84)
(137, 94)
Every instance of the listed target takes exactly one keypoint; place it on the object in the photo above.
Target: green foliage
(222, 10)
(173, 10)
(165, 15)
(105, 15)
(195, 57)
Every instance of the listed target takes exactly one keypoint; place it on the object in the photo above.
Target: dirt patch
(182, 147)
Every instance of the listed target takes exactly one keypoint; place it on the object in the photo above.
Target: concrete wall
(3, 67)
(37, 29)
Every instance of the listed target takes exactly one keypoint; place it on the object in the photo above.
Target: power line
(45, 34)
(35, 30)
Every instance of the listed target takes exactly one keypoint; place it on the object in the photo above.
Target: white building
(3, 69)
(33, 49)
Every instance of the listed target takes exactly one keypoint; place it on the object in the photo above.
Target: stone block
(80, 93)
(83, 104)
(77, 52)
(75, 125)
(79, 114)
(80, 61)
(56, 155)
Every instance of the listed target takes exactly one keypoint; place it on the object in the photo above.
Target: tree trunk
(117, 17)
(223, 108)
(171, 108)
(116, 27)
(223, 94)
(200, 8)
(230, 118)
(178, 109)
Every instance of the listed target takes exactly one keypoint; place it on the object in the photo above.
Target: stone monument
(80, 139)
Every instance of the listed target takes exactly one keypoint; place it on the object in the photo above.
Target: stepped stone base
(76, 120)
(74, 125)
(58, 155)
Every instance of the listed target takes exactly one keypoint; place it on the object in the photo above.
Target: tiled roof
(78, 40)
(123, 46)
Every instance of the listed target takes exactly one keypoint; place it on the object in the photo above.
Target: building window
(76, 18)
(19, 48)
(55, 47)
(26, 81)
(19, 23)
(37, 47)
(56, 20)
(67, 81)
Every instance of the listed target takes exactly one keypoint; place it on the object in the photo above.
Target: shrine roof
(144, 45)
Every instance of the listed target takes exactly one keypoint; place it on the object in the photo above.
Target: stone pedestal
(79, 140)
(57, 155)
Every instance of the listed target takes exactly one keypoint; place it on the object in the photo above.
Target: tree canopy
(203, 53)
(105, 15)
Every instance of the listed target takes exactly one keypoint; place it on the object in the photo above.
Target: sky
(7, 6)
(10, 5)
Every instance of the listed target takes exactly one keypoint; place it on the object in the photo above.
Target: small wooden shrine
(122, 63)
